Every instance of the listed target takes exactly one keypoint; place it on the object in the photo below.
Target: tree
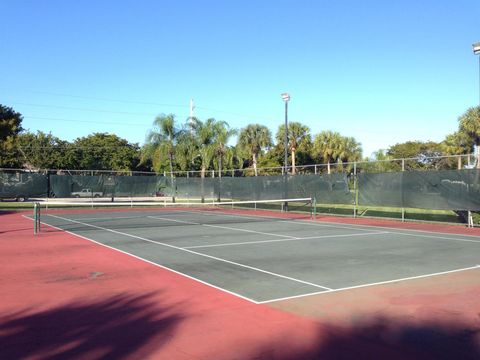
(45, 151)
(253, 139)
(349, 150)
(298, 136)
(331, 147)
(205, 133)
(422, 154)
(457, 144)
(469, 125)
(102, 151)
(162, 141)
(185, 151)
(380, 161)
(222, 133)
(10, 127)
(10, 122)
(325, 147)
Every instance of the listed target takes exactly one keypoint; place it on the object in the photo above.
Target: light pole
(476, 51)
(286, 99)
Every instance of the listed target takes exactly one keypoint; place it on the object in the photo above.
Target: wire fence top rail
(425, 160)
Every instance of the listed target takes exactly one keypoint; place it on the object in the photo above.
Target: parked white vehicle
(86, 193)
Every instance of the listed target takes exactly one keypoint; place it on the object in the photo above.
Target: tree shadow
(7, 212)
(384, 338)
(115, 327)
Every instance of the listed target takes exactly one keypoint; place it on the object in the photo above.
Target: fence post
(354, 189)
(403, 209)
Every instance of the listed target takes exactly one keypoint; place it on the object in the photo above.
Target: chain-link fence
(358, 188)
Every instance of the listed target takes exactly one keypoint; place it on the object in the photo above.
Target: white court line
(435, 237)
(299, 221)
(244, 297)
(223, 227)
(174, 220)
(196, 253)
(283, 240)
(326, 223)
(109, 218)
(371, 284)
(150, 262)
(351, 226)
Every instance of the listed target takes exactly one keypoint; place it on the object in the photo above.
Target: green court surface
(267, 258)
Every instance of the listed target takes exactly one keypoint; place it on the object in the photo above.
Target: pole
(403, 209)
(286, 137)
(190, 119)
(355, 189)
(35, 214)
(479, 79)
(286, 155)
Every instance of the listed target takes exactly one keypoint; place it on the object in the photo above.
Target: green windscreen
(23, 184)
(438, 190)
(65, 186)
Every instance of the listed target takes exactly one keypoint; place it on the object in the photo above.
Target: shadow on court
(386, 338)
(7, 212)
(116, 327)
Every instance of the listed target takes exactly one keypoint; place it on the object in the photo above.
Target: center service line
(283, 240)
(224, 227)
(195, 253)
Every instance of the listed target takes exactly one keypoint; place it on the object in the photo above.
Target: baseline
(372, 284)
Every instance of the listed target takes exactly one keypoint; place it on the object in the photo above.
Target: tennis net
(129, 214)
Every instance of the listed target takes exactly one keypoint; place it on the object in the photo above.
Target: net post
(39, 214)
(314, 207)
(35, 218)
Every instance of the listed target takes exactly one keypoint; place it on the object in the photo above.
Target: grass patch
(15, 206)
(446, 216)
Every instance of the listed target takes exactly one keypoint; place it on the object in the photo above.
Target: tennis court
(267, 256)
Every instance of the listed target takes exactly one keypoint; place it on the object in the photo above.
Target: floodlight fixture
(476, 48)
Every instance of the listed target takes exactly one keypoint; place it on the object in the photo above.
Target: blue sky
(381, 71)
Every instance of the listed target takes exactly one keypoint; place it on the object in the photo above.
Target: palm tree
(222, 133)
(326, 146)
(253, 139)
(162, 140)
(457, 144)
(185, 150)
(470, 126)
(298, 135)
(204, 133)
(332, 147)
(349, 150)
